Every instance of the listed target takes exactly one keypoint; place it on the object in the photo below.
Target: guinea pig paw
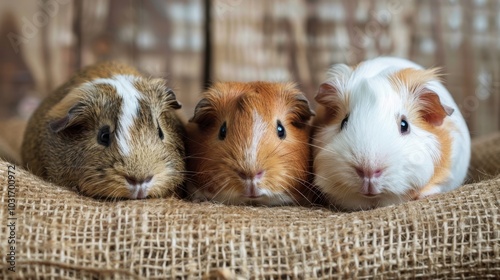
(429, 191)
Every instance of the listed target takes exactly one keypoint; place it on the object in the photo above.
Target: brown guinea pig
(248, 144)
(109, 131)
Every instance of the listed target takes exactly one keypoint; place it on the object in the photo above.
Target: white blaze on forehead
(124, 86)
(258, 129)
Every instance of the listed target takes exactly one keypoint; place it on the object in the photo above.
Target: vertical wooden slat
(16, 79)
(437, 35)
(494, 64)
(207, 36)
(46, 53)
(78, 33)
(468, 69)
(354, 35)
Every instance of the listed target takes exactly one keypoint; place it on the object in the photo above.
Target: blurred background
(193, 42)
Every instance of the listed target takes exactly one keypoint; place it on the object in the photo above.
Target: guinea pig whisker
(299, 170)
(113, 195)
(301, 182)
(290, 153)
(221, 187)
(290, 195)
(195, 157)
(273, 152)
(189, 172)
(197, 142)
(321, 148)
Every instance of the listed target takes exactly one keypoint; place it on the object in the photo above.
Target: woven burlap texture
(61, 234)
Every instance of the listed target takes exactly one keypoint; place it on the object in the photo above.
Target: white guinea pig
(387, 131)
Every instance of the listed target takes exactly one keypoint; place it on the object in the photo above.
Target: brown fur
(329, 110)
(71, 156)
(215, 163)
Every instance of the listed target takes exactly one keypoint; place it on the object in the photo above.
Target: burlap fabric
(60, 234)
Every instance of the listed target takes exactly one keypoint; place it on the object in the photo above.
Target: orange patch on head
(413, 79)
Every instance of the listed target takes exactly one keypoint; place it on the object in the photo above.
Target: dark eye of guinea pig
(160, 132)
(281, 131)
(344, 122)
(404, 126)
(103, 136)
(222, 131)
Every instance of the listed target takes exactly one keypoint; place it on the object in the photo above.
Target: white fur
(124, 86)
(372, 138)
(139, 190)
(267, 198)
(258, 129)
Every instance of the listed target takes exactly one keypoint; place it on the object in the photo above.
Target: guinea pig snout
(251, 180)
(138, 187)
(370, 179)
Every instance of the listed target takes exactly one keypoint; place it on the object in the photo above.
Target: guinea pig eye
(404, 126)
(103, 136)
(160, 133)
(344, 122)
(281, 131)
(222, 131)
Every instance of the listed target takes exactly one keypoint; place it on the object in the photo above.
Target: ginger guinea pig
(387, 131)
(109, 131)
(248, 143)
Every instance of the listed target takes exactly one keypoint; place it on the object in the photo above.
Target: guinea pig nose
(367, 172)
(242, 175)
(249, 175)
(131, 180)
(360, 171)
(135, 181)
(259, 174)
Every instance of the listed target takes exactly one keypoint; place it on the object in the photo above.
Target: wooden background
(192, 43)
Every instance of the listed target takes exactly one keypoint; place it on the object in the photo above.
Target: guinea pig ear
(172, 100)
(432, 110)
(302, 109)
(67, 112)
(328, 96)
(203, 113)
(329, 92)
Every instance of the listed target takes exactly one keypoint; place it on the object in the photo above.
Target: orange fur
(215, 162)
(443, 164)
(414, 79)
